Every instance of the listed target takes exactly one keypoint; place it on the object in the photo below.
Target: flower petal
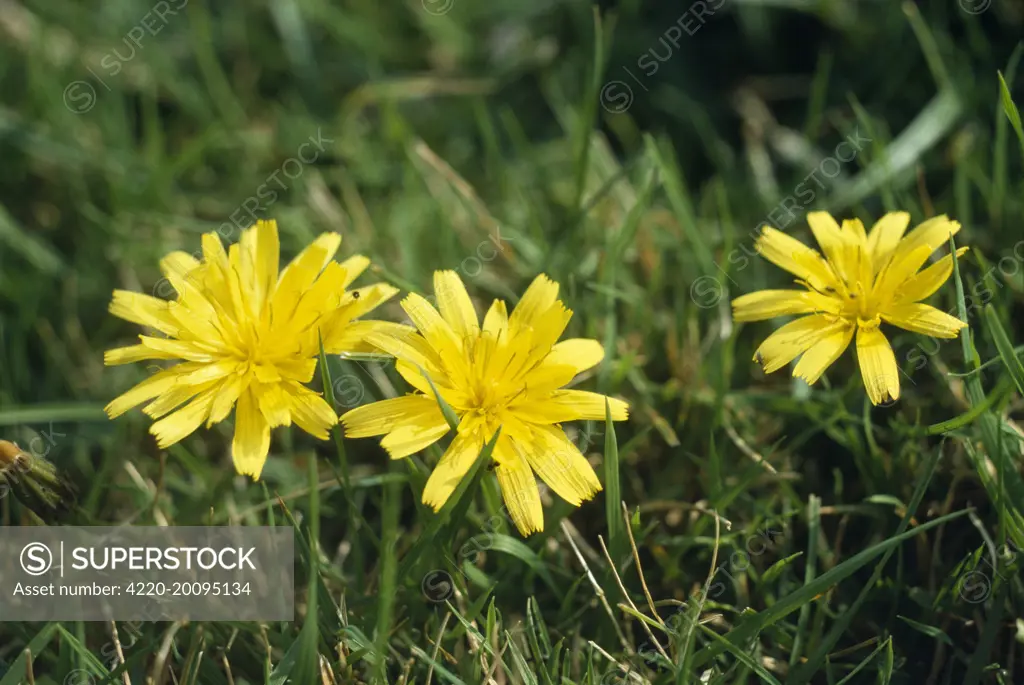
(251, 443)
(519, 490)
(433, 327)
(925, 282)
(814, 362)
(896, 272)
(274, 403)
(144, 310)
(411, 423)
(171, 399)
(178, 266)
(182, 349)
(827, 232)
(933, 233)
(354, 266)
(377, 418)
(877, 366)
(854, 230)
(228, 393)
(182, 423)
(320, 299)
(912, 252)
(547, 377)
(153, 386)
(316, 255)
(412, 436)
(414, 377)
(454, 303)
(790, 254)
(885, 236)
(496, 320)
(296, 369)
(214, 254)
(768, 304)
(570, 405)
(267, 263)
(362, 300)
(134, 353)
(793, 339)
(580, 353)
(309, 410)
(536, 301)
(857, 263)
(452, 467)
(300, 274)
(355, 336)
(547, 329)
(924, 319)
(412, 348)
(334, 325)
(560, 464)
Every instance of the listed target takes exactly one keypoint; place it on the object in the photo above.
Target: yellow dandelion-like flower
(247, 336)
(863, 280)
(507, 373)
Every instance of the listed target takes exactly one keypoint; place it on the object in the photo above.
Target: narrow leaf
(1005, 347)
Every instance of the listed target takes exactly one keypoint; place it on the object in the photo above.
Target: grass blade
(751, 626)
(813, 528)
(1005, 347)
(16, 673)
(805, 672)
(1009, 480)
(437, 522)
(741, 655)
(36, 252)
(449, 414)
(589, 114)
(518, 549)
(301, 663)
(613, 492)
(993, 399)
(860, 667)
(388, 573)
(989, 634)
(1012, 113)
(885, 668)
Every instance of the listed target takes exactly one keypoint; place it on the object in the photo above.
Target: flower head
(509, 373)
(247, 336)
(863, 280)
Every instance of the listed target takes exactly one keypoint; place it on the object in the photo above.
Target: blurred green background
(629, 150)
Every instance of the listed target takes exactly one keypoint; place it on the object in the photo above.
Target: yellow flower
(508, 373)
(863, 280)
(246, 335)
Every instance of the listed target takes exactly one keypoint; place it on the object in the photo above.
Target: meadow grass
(751, 528)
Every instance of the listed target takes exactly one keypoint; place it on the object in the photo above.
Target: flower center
(857, 305)
(872, 322)
(491, 398)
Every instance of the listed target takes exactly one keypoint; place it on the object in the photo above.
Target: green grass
(771, 532)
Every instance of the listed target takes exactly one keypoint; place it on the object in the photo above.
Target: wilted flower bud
(34, 481)
(9, 455)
